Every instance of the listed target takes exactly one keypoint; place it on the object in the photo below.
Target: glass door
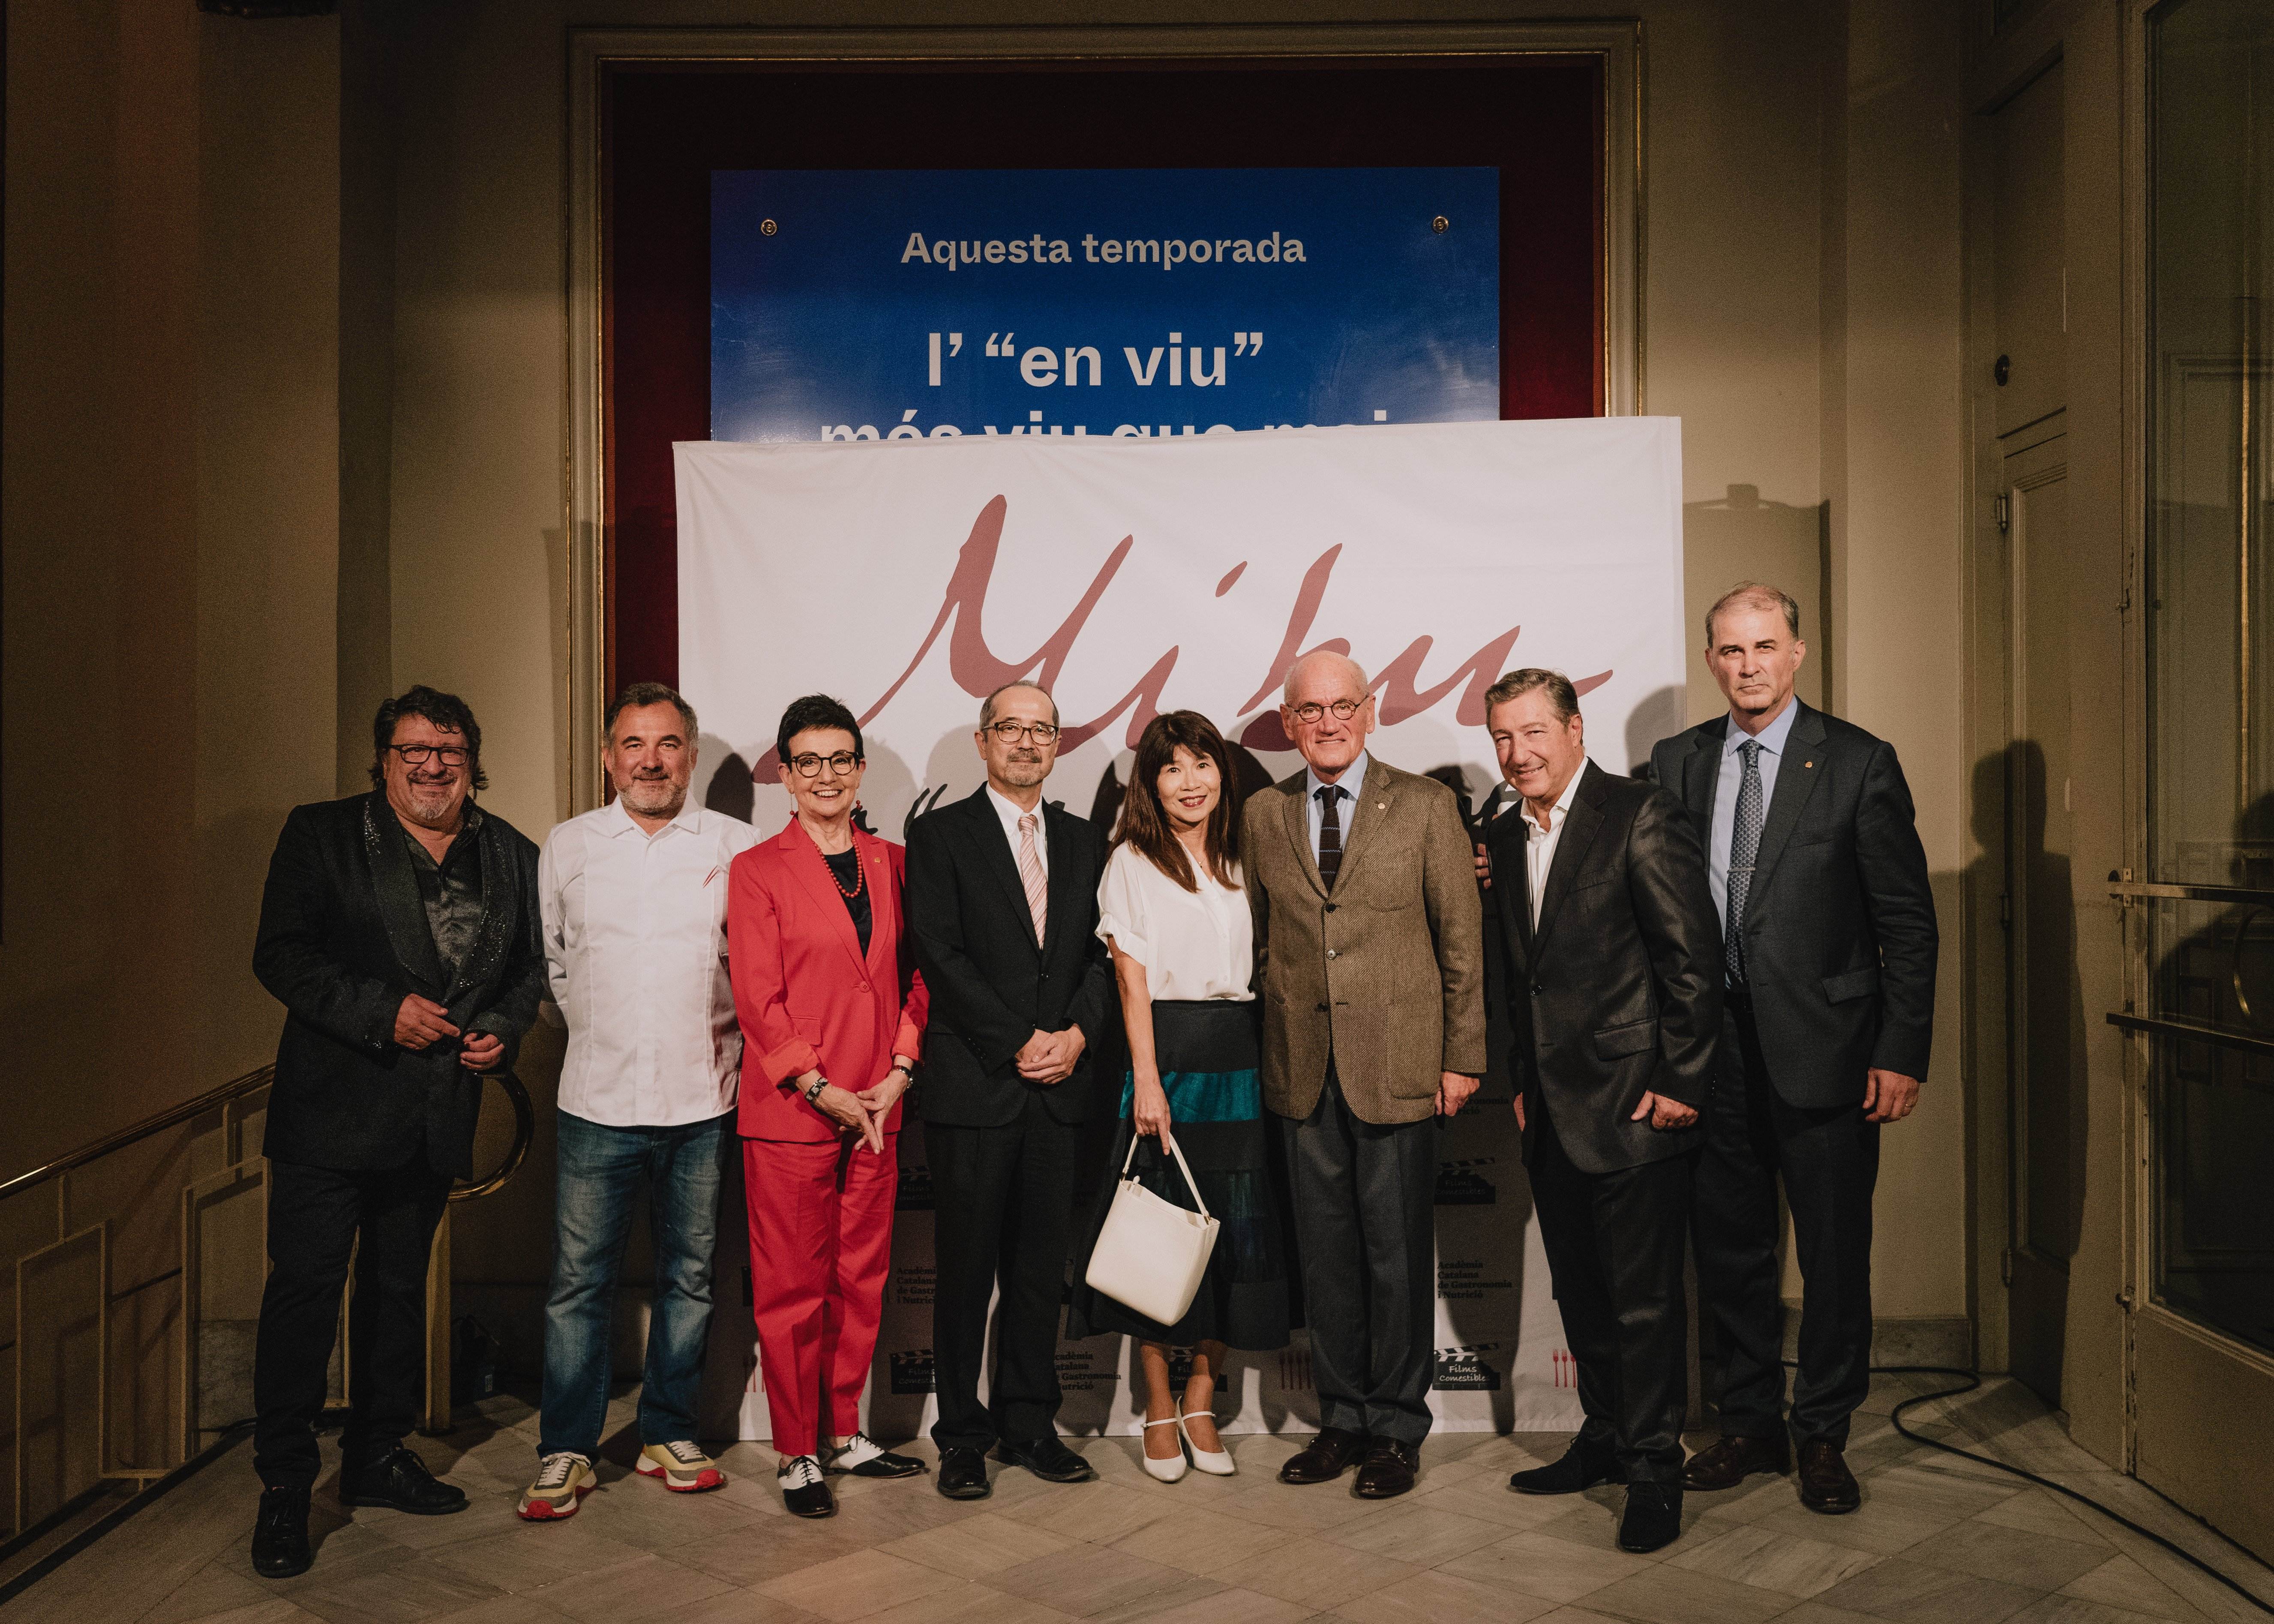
(2204, 1337)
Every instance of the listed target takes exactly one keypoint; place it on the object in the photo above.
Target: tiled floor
(1937, 1540)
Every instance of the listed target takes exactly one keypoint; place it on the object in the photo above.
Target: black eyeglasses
(1012, 733)
(810, 766)
(419, 755)
(1344, 709)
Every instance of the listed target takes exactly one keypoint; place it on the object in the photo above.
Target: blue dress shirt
(1347, 786)
(1772, 741)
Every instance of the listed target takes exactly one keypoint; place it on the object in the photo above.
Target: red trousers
(821, 1241)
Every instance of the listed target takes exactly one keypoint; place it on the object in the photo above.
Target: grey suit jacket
(1387, 975)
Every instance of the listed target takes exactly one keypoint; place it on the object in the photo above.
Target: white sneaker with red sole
(684, 1469)
(563, 1482)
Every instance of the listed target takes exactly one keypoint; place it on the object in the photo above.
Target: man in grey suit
(1371, 937)
(1829, 947)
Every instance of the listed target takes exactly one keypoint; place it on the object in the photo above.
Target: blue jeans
(600, 1171)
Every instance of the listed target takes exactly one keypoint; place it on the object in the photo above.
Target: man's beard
(654, 797)
(1024, 774)
(430, 803)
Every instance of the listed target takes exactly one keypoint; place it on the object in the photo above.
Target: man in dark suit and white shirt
(1829, 947)
(1001, 899)
(1615, 1003)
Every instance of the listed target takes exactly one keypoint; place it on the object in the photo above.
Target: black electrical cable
(1972, 1379)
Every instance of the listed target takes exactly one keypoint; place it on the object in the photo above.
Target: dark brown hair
(447, 711)
(1145, 824)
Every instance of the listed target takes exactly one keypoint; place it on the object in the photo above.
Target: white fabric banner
(1137, 575)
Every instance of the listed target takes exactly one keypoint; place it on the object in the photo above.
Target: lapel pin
(1382, 806)
(1808, 763)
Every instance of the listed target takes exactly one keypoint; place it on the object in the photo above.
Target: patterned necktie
(1331, 835)
(1030, 876)
(1744, 847)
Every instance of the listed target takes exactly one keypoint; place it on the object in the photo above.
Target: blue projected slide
(907, 303)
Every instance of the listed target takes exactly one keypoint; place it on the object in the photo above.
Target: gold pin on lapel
(1382, 806)
(1808, 763)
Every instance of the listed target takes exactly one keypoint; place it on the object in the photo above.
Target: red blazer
(803, 992)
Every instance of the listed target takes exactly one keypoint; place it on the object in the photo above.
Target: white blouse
(1194, 945)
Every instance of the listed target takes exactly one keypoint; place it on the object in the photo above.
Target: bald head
(1324, 665)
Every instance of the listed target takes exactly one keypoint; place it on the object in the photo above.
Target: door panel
(2031, 280)
(2047, 1075)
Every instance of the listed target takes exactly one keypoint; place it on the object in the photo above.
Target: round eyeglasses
(810, 766)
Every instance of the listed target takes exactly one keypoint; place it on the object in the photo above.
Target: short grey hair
(987, 705)
(1754, 595)
(1562, 698)
(1357, 672)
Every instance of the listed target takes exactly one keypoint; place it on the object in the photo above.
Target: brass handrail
(524, 1129)
(249, 1083)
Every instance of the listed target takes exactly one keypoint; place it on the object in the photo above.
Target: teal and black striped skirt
(1209, 1060)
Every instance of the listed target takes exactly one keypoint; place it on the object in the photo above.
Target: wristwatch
(813, 1089)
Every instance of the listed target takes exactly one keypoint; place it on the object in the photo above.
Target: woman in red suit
(832, 1015)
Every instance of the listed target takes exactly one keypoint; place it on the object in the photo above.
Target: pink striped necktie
(1031, 875)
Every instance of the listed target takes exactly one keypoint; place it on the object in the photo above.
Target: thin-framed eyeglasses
(809, 766)
(419, 755)
(1344, 709)
(1013, 732)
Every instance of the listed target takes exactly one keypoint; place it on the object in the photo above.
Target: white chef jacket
(636, 952)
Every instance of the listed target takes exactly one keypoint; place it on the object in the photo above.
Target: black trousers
(1003, 1207)
(1365, 1222)
(317, 1217)
(1829, 1161)
(1613, 1243)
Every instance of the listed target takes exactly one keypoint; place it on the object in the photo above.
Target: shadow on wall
(1742, 537)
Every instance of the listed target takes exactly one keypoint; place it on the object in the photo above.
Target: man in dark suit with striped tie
(1829, 949)
(1001, 902)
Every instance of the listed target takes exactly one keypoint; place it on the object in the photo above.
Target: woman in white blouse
(1171, 907)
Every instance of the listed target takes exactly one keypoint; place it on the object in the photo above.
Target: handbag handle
(1177, 1151)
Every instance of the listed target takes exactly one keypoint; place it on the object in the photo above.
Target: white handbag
(1151, 1253)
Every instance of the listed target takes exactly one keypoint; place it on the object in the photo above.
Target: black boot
(399, 1479)
(279, 1531)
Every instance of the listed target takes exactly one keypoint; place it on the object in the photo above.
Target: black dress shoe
(963, 1474)
(1584, 1465)
(1388, 1470)
(1652, 1520)
(1326, 1457)
(1047, 1458)
(280, 1533)
(399, 1479)
(1733, 1460)
(1825, 1482)
(805, 1493)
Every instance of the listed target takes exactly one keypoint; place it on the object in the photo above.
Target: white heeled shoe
(1215, 1462)
(1173, 1468)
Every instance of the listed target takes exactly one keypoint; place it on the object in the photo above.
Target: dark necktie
(1331, 835)
(1744, 847)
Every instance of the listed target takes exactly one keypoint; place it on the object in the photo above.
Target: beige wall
(171, 521)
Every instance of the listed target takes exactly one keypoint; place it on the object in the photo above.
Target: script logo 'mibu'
(978, 670)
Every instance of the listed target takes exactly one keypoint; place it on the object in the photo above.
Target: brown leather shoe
(1825, 1482)
(1389, 1469)
(1328, 1456)
(1729, 1462)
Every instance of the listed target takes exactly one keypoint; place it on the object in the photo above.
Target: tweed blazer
(1386, 975)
